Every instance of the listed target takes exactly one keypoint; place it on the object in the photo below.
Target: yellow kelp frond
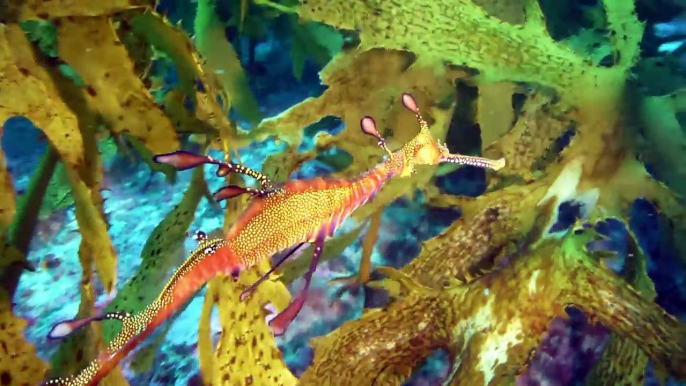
(28, 90)
(78, 350)
(537, 128)
(9, 254)
(484, 234)
(93, 228)
(177, 46)
(13, 11)
(511, 11)
(363, 83)
(506, 313)
(495, 113)
(499, 50)
(91, 47)
(222, 63)
(382, 347)
(623, 361)
(58, 196)
(19, 364)
(666, 137)
(633, 315)
(163, 251)
(627, 31)
(247, 353)
(174, 42)
(205, 341)
(15, 248)
(140, 51)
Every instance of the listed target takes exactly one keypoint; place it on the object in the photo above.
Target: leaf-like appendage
(28, 90)
(91, 47)
(19, 364)
(247, 351)
(13, 11)
(222, 61)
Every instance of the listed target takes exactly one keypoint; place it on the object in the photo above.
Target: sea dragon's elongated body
(277, 219)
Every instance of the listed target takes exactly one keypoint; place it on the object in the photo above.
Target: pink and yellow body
(277, 219)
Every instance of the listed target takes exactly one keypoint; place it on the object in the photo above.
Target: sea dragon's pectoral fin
(66, 328)
(280, 322)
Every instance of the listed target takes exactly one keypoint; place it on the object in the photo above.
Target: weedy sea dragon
(278, 218)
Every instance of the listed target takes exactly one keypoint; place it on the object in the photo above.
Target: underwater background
(548, 85)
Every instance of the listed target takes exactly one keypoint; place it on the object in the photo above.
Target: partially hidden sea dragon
(277, 219)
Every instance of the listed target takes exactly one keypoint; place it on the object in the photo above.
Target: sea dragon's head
(423, 149)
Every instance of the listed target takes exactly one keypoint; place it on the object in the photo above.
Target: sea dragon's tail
(211, 258)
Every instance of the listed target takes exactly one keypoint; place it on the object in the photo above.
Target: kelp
(246, 352)
(19, 364)
(207, 116)
(92, 48)
(15, 241)
(317, 41)
(28, 91)
(13, 11)
(490, 328)
(362, 83)
(222, 62)
(503, 231)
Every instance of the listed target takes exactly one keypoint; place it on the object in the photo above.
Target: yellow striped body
(298, 213)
